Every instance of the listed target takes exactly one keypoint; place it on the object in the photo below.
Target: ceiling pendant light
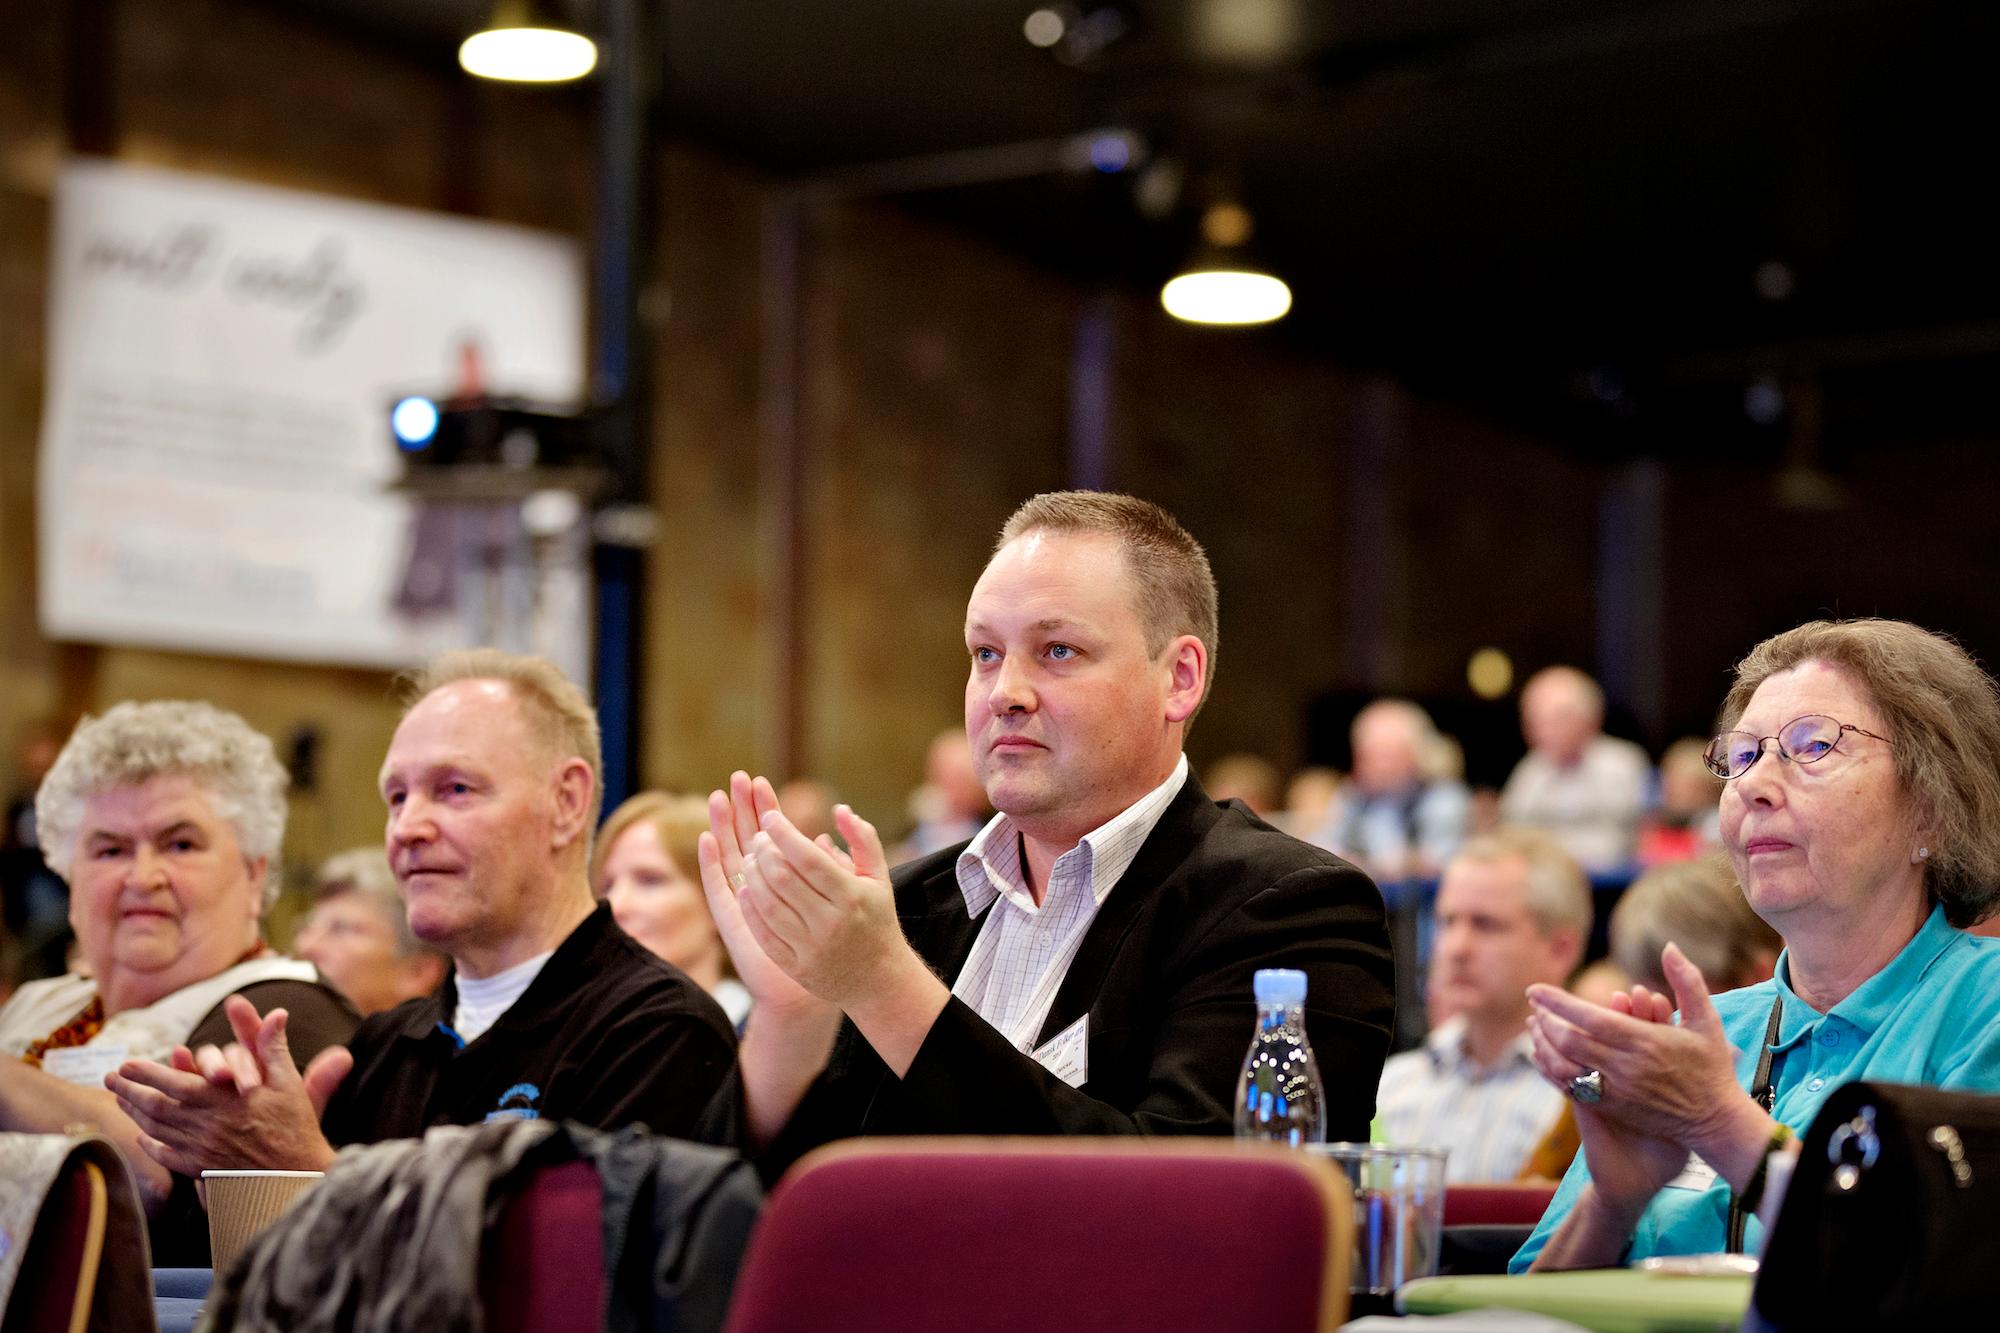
(526, 42)
(1221, 284)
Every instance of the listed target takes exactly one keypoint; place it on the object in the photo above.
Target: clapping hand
(733, 819)
(1627, 1167)
(244, 1106)
(803, 911)
(812, 932)
(1666, 1090)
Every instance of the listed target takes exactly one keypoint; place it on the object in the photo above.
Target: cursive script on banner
(319, 287)
(171, 260)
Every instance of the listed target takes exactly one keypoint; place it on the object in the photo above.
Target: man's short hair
(554, 708)
(1172, 583)
(1558, 890)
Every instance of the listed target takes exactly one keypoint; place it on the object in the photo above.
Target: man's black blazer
(1164, 973)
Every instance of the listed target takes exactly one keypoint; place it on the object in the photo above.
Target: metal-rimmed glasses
(1803, 740)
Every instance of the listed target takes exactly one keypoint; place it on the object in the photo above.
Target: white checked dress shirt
(1023, 950)
(1490, 1117)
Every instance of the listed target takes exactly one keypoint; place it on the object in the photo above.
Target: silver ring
(1588, 1087)
(738, 880)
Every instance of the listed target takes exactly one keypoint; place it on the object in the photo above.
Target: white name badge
(85, 1066)
(1696, 1175)
(1067, 1054)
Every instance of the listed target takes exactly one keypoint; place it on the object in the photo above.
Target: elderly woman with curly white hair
(166, 819)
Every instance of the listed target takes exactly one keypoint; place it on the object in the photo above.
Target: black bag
(1892, 1218)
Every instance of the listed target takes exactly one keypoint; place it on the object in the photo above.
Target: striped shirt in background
(1490, 1118)
(1023, 951)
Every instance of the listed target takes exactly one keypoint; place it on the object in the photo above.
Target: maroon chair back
(1025, 1234)
(1496, 1205)
(545, 1270)
(58, 1274)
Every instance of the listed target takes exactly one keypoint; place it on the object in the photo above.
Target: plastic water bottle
(1279, 1097)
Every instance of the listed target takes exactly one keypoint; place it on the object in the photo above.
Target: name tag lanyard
(1765, 1096)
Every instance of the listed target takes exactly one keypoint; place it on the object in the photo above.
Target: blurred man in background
(1585, 787)
(1400, 817)
(1513, 909)
(950, 806)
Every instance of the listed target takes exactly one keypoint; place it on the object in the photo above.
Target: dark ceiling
(1557, 209)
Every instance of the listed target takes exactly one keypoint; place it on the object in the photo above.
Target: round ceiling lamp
(1221, 285)
(525, 42)
(1226, 296)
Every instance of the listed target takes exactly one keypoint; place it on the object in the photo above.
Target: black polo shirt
(607, 1034)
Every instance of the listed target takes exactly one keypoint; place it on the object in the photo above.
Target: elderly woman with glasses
(1861, 809)
(166, 819)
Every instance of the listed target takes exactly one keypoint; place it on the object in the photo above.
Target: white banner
(215, 442)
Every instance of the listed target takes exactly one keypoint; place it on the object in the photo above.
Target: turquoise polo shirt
(1932, 1016)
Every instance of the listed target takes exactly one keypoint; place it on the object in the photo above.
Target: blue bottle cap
(1280, 985)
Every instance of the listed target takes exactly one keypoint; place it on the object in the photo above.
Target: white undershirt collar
(481, 1001)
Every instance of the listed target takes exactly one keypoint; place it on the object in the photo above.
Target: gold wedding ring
(738, 880)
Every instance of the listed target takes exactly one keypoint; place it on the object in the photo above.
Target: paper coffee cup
(243, 1203)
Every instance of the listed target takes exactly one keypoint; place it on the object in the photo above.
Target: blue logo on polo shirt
(517, 1103)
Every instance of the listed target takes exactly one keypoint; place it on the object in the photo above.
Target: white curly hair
(135, 742)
